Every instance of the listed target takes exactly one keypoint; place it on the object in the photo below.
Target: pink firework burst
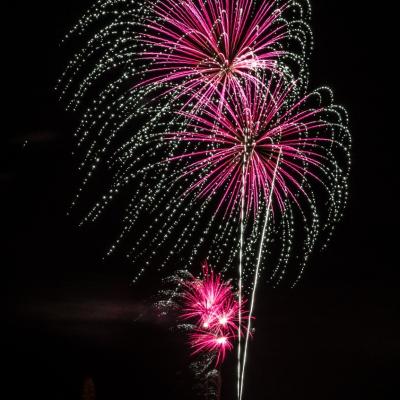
(205, 341)
(201, 47)
(260, 133)
(214, 309)
(211, 303)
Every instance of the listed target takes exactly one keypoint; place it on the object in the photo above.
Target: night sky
(71, 316)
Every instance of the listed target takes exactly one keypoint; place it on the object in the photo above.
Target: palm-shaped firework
(230, 144)
(196, 174)
(263, 128)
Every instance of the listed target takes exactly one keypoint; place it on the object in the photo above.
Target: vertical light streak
(242, 226)
(253, 296)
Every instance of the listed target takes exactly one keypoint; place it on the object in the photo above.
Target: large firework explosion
(194, 173)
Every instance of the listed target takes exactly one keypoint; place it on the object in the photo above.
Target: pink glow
(203, 47)
(213, 307)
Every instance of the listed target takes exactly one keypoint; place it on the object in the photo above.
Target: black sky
(70, 315)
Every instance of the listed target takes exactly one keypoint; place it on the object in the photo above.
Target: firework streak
(226, 142)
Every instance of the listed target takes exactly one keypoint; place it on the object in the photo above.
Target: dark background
(69, 315)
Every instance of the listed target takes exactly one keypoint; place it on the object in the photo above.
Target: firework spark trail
(240, 283)
(256, 276)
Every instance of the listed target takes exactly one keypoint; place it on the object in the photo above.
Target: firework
(211, 307)
(144, 59)
(189, 180)
(210, 302)
(210, 342)
(228, 142)
(256, 126)
(207, 309)
(200, 47)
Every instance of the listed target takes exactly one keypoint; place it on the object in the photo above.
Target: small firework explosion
(210, 302)
(212, 306)
(210, 342)
(209, 310)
